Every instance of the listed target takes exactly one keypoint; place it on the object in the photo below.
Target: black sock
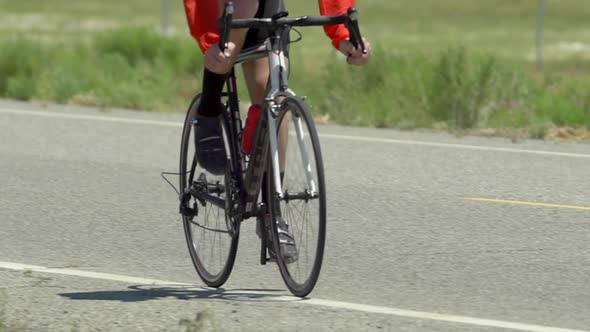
(211, 96)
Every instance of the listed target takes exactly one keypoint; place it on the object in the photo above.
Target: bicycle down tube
(266, 136)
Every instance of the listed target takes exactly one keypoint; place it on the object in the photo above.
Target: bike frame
(266, 137)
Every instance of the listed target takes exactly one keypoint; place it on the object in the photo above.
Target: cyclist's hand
(217, 61)
(355, 56)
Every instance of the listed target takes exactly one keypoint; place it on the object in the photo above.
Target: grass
(463, 64)
(133, 68)
(452, 88)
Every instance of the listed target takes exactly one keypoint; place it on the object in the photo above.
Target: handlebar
(350, 20)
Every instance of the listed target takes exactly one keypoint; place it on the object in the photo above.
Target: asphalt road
(81, 193)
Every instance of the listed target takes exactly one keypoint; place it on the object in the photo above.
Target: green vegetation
(451, 88)
(133, 68)
(454, 64)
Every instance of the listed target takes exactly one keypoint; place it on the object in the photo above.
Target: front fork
(272, 110)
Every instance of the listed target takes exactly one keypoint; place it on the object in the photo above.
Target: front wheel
(302, 205)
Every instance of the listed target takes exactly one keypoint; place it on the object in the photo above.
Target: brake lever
(352, 23)
(227, 19)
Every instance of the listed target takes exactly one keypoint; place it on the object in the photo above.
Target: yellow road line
(527, 203)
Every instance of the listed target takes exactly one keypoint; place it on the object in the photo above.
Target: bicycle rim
(211, 247)
(305, 215)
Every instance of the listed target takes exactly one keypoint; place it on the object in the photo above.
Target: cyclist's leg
(210, 149)
(256, 76)
(256, 72)
(213, 80)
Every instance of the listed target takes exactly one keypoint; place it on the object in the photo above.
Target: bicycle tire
(210, 278)
(301, 287)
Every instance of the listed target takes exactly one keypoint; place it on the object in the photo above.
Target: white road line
(85, 274)
(313, 301)
(329, 136)
(456, 146)
(50, 114)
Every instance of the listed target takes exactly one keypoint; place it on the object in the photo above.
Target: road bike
(285, 164)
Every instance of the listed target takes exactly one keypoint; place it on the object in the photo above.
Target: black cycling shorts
(266, 9)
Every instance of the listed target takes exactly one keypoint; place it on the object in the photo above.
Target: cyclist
(202, 20)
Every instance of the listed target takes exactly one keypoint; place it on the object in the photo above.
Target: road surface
(426, 232)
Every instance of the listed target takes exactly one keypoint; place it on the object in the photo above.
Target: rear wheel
(303, 205)
(211, 237)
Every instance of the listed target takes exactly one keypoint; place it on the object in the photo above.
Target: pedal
(263, 258)
(184, 209)
(263, 240)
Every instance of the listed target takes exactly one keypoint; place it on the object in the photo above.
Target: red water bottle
(250, 128)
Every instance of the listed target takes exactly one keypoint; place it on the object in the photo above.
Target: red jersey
(202, 20)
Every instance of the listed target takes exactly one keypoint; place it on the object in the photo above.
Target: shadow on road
(140, 293)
